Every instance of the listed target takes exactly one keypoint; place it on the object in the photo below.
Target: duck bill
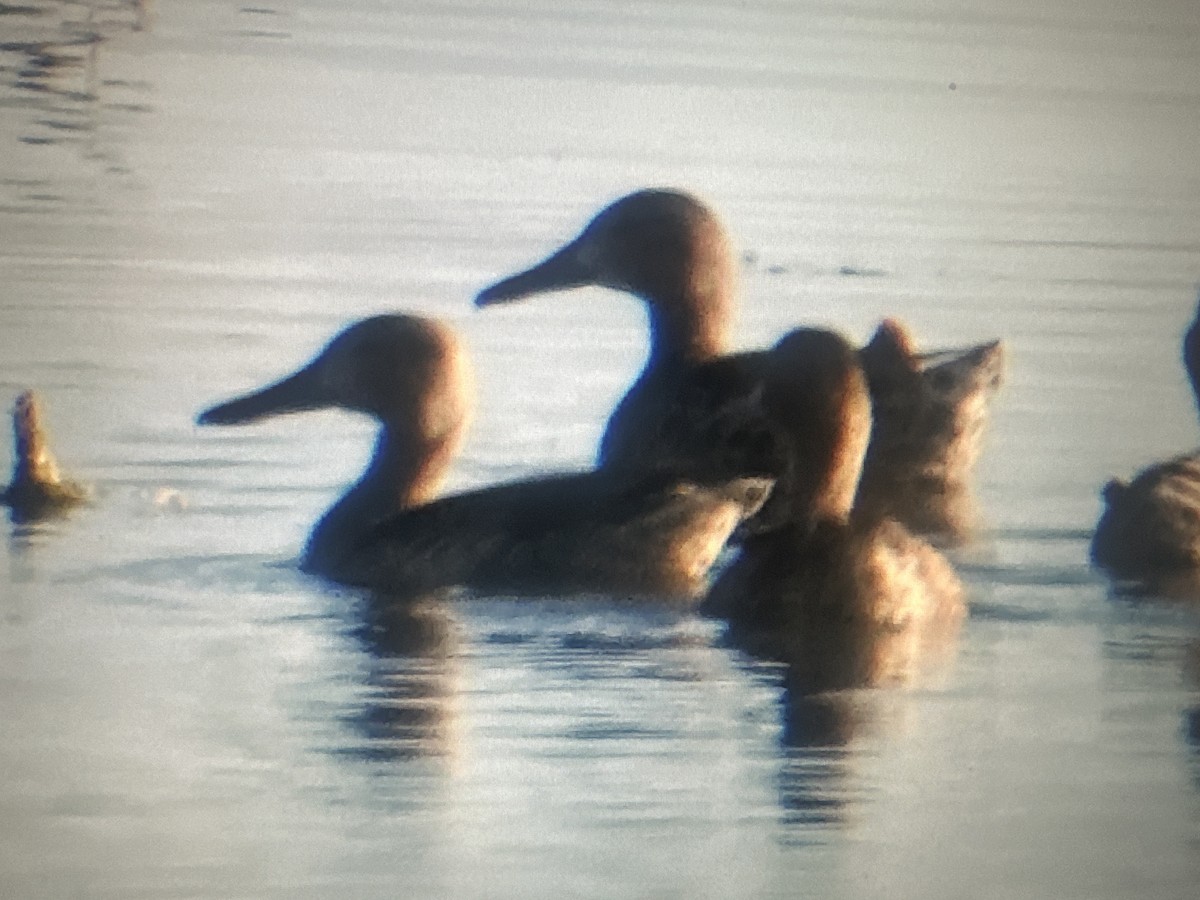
(296, 393)
(561, 271)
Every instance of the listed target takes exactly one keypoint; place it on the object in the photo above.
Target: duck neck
(402, 474)
(828, 493)
(827, 461)
(690, 329)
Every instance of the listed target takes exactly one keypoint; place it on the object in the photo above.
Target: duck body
(845, 597)
(577, 533)
(1149, 529)
(844, 606)
(671, 251)
(671, 417)
(38, 489)
(572, 533)
(1150, 526)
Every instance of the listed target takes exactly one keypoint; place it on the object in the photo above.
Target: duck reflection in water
(38, 489)
(845, 597)
(821, 737)
(590, 532)
(410, 708)
(1148, 536)
(673, 252)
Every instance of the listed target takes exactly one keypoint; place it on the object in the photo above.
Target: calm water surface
(195, 195)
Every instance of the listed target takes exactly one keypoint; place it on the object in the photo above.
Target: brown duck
(673, 252)
(1149, 531)
(572, 533)
(844, 596)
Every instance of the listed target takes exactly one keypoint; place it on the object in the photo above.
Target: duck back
(565, 534)
(1152, 524)
(1149, 530)
(929, 417)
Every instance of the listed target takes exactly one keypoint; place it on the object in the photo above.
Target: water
(195, 196)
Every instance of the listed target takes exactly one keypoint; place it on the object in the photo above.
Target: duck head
(410, 373)
(663, 246)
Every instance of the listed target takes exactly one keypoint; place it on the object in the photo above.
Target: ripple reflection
(409, 705)
(52, 71)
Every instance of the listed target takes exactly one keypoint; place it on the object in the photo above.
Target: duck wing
(571, 533)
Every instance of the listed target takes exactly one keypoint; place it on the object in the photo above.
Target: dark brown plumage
(1149, 531)
(673, 252)
(929, 412)
(845, 597)
(575, 533)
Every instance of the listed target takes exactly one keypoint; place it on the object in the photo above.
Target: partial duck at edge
(573, 533)
(1149, 530)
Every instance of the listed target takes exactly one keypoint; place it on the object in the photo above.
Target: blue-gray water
(196, 195)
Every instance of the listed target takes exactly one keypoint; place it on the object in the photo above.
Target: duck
(571, 533)
(38, 489)
(843, 596)
(672, 251)
(929, 414)
(1148, 533)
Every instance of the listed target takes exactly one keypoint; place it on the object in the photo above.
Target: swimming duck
(842, 595)
(1149, 530)
(570, 533)
(38, 489)
(929, 414)
(672, 251)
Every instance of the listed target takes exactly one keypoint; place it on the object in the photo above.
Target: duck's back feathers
(930, 413)
(563, 534)
(1151, 525)
(1149, 530)
(694, 421)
